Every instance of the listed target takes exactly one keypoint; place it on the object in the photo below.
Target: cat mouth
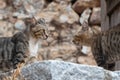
(43, 37)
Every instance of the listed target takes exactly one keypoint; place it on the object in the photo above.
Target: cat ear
(42, 21)
(34, 20)
(85, 26)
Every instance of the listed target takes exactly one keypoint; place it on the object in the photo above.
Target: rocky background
(64, 19)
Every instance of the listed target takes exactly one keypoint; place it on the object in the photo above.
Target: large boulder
(95, 18)
(59, 70)
(80, 5)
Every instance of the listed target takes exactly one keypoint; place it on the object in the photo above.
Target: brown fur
(14, 50)
(105, 46)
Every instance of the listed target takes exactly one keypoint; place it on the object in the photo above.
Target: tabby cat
(105, 46)
(15, 49)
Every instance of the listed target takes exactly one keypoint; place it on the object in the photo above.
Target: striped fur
(15, 49)
(105, 46)
(12, 51)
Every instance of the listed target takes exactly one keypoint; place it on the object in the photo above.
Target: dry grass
(15, 75)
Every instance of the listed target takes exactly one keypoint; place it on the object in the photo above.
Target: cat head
(37, 28)
(85, 35)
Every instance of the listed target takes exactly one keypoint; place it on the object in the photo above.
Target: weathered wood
(111, 5)
(110, 15)
(104, 16)
(115, 18)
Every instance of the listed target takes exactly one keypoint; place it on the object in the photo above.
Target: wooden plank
(112, 5)
(104, 16)
(114, 18)
(117, 65)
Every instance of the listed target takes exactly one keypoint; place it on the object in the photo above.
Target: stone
(85, 16)
(20, 25)
(64, 18)
(60, 70)
(60, 1)
(38, 5)
(2, 4)
(6, 29)
(68, 16)
(9, 2)
(61, 51)
(44, 15)
(54, 54)
(29, 8)
(89, 60)
(95, 18)
(72, 59)
(44, 43)
(1, 16)
(51, 28)
(80, 5)
(39, 57)
(20, 15)
(17, 5)
(12, 19)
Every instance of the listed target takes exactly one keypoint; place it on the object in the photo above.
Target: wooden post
(110, 17)
(104, 17)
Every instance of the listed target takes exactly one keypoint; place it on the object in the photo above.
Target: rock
(63, 18)
(68, 16)
(55, 35)
(12, 19)
(59, 70)
(80, 5)
(2, 4)
(21, 15)
(51, 28)
(17, 5)
(39, 57)
(6, 29)
(95, 18)
(44, 15)
(61, 1)
(29, 8)
(9, 2)
(61, 51)
(72, 59)
(64, 13)
(86, 60)
(38, 5)
(54, 54)
(20, 25)
(1, 16)
(4, 14)
(85, 16)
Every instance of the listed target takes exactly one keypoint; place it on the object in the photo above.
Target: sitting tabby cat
(15, 49)
(105, 46)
